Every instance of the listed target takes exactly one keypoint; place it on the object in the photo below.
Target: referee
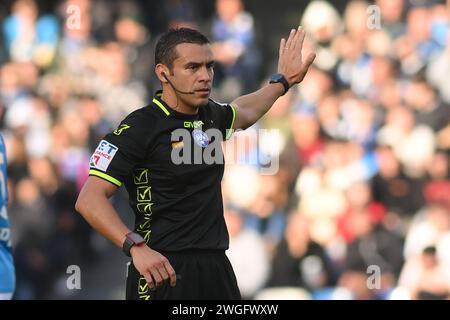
(179, 239)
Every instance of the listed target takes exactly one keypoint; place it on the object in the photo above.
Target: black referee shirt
(177, 206)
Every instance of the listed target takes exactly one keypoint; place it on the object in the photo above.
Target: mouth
(204, 90)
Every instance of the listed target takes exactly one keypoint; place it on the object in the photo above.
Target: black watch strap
(131, 239)
(279, 78)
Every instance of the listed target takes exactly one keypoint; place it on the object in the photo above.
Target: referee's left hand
(290, 60)
(153, 266)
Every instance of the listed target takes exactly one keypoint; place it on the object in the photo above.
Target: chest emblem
(200, 138)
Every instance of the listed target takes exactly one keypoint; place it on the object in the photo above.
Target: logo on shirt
(120, 129)
(200, 138)
(103, 155)
(193, 124)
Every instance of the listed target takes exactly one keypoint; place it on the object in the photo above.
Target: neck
(170, 97)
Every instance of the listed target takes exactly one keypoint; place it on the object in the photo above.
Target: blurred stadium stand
(363, 143)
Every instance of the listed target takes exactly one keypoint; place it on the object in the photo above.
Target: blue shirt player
(7, 274)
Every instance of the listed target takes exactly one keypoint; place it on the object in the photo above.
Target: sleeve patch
(103, 155)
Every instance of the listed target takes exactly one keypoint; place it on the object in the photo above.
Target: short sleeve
(119, 152)
(226, 115)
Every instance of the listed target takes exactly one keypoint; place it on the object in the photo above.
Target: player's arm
(93, 204)
(251, 107)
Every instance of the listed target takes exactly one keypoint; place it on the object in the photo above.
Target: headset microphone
(171, 84)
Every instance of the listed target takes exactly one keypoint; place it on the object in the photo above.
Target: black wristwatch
(131, 239)
(279, 78)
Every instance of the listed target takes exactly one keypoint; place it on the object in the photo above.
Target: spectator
(247, 254)
(429, 109)
(29, 37)
(399, 193)
(430, 227)
(425, 277)
(438, 188)
(299, 261)
(373, 110)
(233, 42)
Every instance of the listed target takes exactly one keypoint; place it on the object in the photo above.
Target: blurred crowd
(360, 205)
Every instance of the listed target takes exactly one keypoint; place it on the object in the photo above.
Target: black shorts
(201, 275)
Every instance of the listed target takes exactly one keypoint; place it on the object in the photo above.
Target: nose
(206, 74)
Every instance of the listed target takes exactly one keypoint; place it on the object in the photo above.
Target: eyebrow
(208, 64)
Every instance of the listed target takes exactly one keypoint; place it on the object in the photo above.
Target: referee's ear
(161, 71)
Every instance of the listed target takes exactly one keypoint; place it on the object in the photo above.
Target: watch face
(135, 238)
(276, 77)
(279, 78)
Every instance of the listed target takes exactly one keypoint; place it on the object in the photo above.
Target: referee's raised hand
(290, 62)
(153, 266)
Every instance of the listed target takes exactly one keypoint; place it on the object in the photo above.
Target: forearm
(101, 215)
(291, 70)
(254, 105)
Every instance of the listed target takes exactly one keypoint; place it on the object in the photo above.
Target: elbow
(247, 124)
(81, 203)
(244, 122)
(246, 118)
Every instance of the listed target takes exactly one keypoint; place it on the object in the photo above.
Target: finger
(289, 40)
(301, 38)
(295, 40)
(282, 45)
(149, 279)
(171, 273)
(156, 276)
(163, 273)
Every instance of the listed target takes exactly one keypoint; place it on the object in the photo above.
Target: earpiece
(171, 84)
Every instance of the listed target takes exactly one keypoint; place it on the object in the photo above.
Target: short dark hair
(165, 52)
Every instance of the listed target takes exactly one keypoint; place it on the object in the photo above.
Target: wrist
(132, 240)
(280, 79)
(279, 87)
(135, 247)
